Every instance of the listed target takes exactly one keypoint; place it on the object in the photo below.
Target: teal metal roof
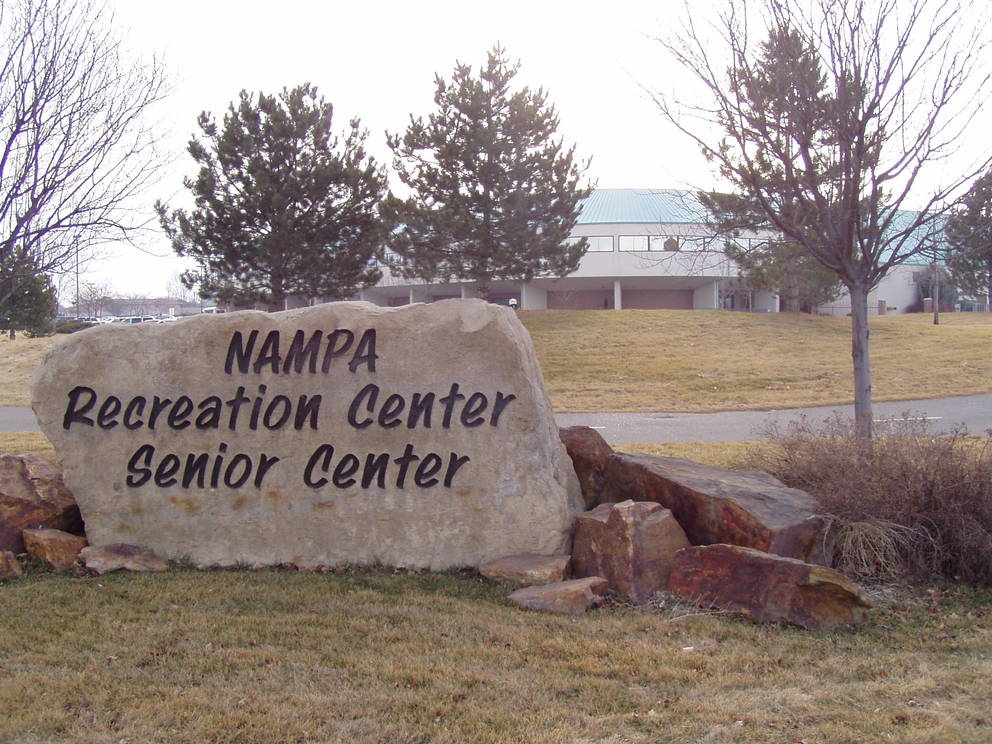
(604, 206)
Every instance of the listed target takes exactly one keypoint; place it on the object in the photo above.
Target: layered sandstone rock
(713, 505)
(32, 495)
(344, 433)
(572, 597)
(767, 587)
(528, 568)
(121, 557)
(630, 544)
(56, 548)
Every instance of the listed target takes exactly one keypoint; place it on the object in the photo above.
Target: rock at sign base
(106, 558)
(528, 568)
(572, 597)
(590, 456)
(32, 495)
(9, 567)
(630, 544)
(56, 548)
(343, 433)
(768, 587)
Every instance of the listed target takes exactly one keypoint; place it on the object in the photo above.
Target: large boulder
(58, 549)
(121, 557)
(767, 587)
(630, 544)
(715, 505)
(590, 457)
(572, 597)
(344, 433)
(32, 495)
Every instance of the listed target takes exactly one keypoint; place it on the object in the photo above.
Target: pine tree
(30, 304)
(969, 237)
(496, 194)
(282, 206)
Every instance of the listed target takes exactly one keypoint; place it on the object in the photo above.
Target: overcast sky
(377, 60)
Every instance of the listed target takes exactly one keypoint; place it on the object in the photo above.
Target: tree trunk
(988, 296)
(861, 363)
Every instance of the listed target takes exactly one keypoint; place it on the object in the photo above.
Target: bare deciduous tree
(836, 117)
(75, 146)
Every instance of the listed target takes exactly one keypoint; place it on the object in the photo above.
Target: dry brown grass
(697, 361)
(26, 443)
(731, 455)
(18, 359)
(370, 658)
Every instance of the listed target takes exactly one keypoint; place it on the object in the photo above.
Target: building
(648, 249)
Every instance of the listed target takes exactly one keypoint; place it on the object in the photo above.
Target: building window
(595, 243)
(640, 243)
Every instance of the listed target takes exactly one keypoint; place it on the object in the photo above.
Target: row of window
(653, 243)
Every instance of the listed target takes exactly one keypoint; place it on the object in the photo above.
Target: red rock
(572, 597)
(528, 568)
(9, 567)
(32, 495)
(630, 544)
(767, 587)
(57, 548)
(107, 558)
(714, 505)
(590, 456)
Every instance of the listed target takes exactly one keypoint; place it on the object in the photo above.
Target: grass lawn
(696, 361)
(369, 656)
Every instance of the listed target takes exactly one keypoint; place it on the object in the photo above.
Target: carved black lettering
(264, 464)
(333, 350)
(365, 353)
(269, 353)
(135, 407)
(300, 353)
(179, 415)
(210, 409)
(390, 408)
(502, 401)
(375, 467)
(370, 391)
(420, 406)
(308, 405)
(455, 462)
(256, 407)
(449, 401)
(235, 403)
(159, 405)
(273, 419)
(242, 461)
(427, 468)
(476, 404)
(215, 471)
(74, 412)
(107, 417)
(322, 455)
(238, 352)
(405, 461)
(138, 476)
(166, 470)
(347, 466)
(196, 467)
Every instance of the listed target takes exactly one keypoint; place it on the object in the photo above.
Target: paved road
(974, 411)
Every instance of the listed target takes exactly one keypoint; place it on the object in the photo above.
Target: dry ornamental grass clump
(917, 503)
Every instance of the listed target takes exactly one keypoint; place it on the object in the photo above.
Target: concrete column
(706, 297)
(468, 291)
(617, 295)
(533, 298)
(766, 302)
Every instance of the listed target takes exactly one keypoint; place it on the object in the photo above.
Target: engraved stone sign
(344, 433)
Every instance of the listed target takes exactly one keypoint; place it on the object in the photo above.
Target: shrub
(917, 503)
(71, 326)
